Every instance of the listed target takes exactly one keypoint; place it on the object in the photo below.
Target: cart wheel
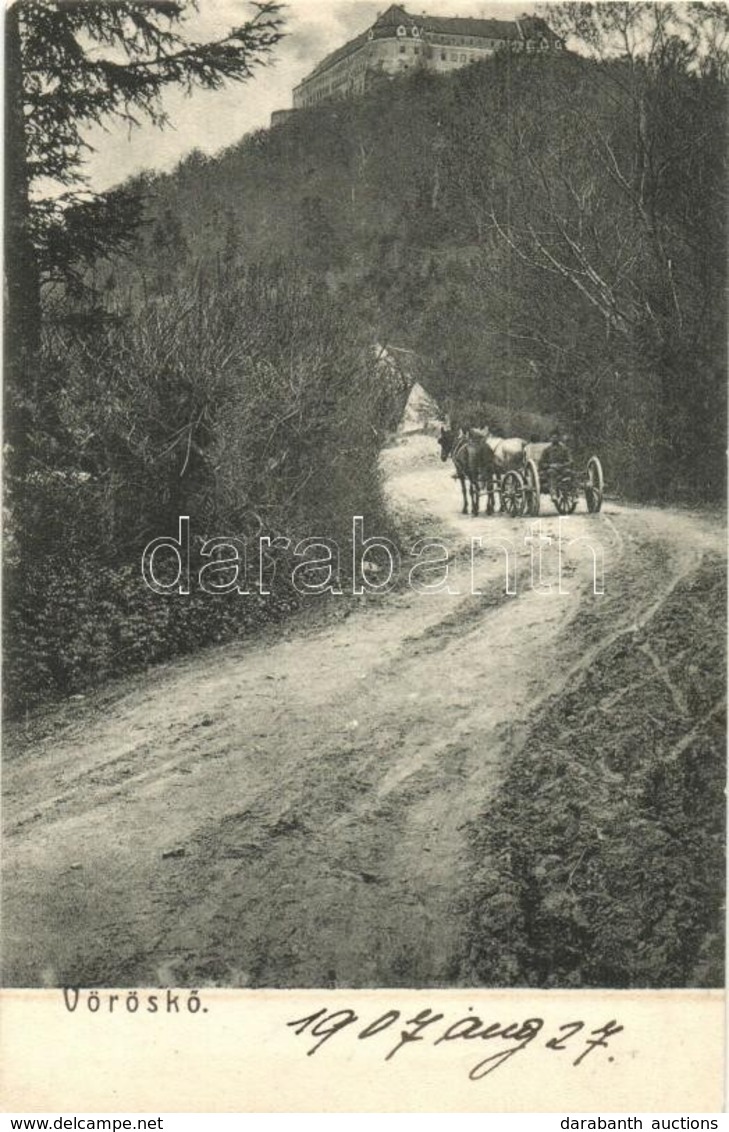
(565, 500)
(593, 499)
(513, 496)
(532, 488)
(594, 473)
(594, 486)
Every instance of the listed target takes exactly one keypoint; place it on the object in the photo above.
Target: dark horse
(474, 462)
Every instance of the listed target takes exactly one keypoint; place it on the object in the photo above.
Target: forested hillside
(544, 232)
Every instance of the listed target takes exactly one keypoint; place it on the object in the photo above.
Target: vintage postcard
(365, 556)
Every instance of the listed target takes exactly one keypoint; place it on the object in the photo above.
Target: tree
(71, 64)
(616, 213)
(693, 35)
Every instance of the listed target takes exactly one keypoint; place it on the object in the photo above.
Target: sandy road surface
(294, 811)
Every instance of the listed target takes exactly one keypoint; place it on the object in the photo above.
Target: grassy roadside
(601, 861)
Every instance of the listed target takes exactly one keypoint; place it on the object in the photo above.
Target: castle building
(398, 42)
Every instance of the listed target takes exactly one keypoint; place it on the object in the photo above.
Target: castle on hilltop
(398, 42)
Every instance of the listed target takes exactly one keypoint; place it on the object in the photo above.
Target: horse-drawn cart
(519, 473)
(563, 485)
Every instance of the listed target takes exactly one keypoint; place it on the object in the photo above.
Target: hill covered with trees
(545, 232)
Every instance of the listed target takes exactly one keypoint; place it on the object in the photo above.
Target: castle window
(444, 54)
(403, 49)
(416, 50)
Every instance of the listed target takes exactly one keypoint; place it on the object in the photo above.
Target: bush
(79, 622)
(256, 408)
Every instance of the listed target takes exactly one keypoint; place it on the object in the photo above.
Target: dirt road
(293, 812)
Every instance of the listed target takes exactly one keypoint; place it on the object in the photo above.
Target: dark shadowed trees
(70, 65)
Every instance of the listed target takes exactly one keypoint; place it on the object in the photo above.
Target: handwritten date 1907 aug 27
(571, 1037)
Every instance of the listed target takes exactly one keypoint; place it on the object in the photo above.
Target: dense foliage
(252, 401)
(69, 66)
(257, 408)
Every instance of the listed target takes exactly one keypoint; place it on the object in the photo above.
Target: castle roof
(484, 29)
(449, 25)
(340, 53)
(394, 15)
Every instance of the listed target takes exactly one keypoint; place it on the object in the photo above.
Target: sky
(210, 121)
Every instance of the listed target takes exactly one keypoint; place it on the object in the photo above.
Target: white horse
(508, 452)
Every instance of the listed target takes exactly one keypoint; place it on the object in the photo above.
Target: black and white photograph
(364, 501)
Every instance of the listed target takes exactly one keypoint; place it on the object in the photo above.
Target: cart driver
(556, 460)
